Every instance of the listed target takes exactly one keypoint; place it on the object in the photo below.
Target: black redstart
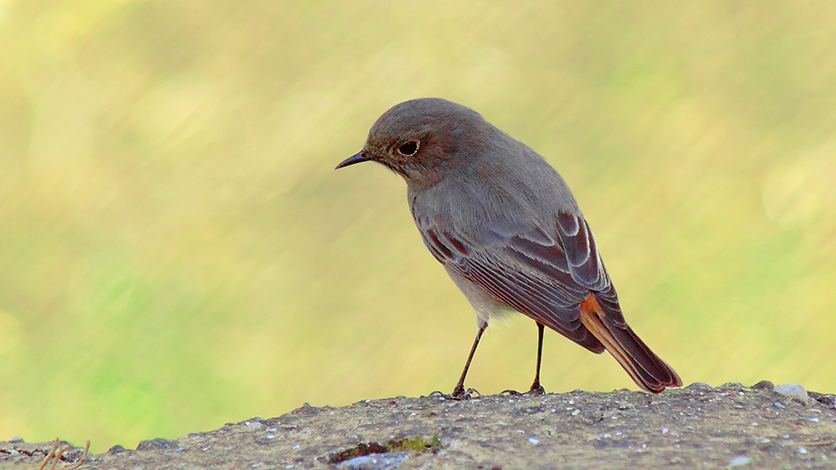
(508, 231)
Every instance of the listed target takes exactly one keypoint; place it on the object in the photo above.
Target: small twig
(56, 452)
(49, 455)
(82, 459)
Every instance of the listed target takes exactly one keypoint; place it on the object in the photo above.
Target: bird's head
(421, 139)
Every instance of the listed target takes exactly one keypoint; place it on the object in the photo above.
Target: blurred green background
(176, 251)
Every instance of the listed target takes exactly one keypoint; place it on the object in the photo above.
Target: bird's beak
(363, 156)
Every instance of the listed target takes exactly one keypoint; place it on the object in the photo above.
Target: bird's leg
(459, 392)
(536, 388)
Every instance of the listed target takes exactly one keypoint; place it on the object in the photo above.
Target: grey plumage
(507, 229)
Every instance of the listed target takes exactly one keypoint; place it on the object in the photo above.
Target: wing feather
(543, 276)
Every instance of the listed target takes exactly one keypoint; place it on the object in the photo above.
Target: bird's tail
(648, 371)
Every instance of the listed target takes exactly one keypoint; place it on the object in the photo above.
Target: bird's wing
(544, 276)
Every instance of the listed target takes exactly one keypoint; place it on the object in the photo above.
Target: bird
(508, 231)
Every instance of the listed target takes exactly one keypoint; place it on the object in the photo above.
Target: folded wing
(557, 279)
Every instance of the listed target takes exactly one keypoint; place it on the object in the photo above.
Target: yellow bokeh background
(176, 251)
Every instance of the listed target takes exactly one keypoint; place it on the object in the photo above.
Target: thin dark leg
(536, 388)
(458, 392)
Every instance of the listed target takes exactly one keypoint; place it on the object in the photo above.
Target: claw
(468, 394)
(536, 390)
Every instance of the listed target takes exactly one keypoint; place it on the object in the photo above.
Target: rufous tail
(648, 371)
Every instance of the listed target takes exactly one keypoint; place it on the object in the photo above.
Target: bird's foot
(536, 389)
(459, 394)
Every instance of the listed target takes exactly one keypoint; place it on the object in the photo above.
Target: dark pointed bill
(363, 156)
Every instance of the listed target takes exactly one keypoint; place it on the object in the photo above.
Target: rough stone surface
(794, 391)
(695, 427)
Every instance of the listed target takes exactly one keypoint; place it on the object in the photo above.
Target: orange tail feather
(648, 371)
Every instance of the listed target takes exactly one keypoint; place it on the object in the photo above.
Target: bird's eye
(409, 148)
